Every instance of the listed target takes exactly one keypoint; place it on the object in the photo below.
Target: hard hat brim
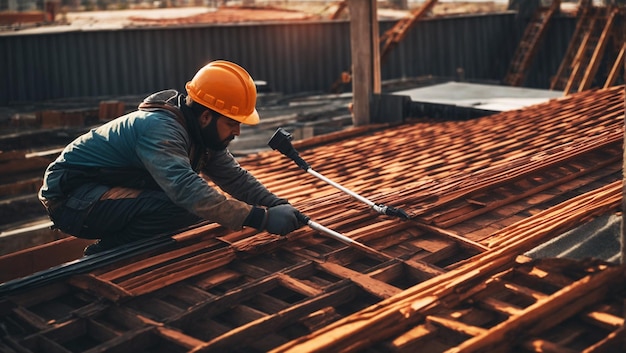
(252, 119)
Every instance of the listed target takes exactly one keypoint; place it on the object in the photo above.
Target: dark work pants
(120, 216)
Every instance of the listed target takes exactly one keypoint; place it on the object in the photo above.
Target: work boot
(95, 248)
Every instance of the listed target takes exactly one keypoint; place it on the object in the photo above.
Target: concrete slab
(480, 96)
(599, 239)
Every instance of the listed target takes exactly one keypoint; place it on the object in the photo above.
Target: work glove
(279, 219)
(282, 219)
(276, 201)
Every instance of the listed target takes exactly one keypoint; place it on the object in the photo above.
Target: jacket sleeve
(162, 148)
(225, 172)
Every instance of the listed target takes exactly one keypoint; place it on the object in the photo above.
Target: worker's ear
(205, 118)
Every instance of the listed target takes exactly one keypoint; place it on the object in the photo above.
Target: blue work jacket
(158, 147)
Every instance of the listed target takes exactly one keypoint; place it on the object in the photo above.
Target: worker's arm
(162, 148)
(279, 217)
(225, 171)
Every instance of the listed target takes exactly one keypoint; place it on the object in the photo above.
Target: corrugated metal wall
(549, 56)
(479, 45)
(291, 57)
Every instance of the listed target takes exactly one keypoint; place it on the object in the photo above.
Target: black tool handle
(304, 219)
(281, 141)
(396, 212)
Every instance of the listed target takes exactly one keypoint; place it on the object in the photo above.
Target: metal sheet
(291, 57)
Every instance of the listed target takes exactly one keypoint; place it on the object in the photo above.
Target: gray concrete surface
(598, 239)
(480, 96)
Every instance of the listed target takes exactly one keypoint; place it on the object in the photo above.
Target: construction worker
(142, 175)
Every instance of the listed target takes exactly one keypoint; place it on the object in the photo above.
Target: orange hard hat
(226, 88)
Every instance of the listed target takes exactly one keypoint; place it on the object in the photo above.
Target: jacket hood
(169, 96)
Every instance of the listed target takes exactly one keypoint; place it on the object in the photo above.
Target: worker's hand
(282, 219)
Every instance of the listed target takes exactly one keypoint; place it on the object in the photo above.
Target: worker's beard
(211, 138)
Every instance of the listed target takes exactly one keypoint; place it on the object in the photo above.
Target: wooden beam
(541, 345)
(457, 326)
(41, 257)
(617, 66)
(623, 204)
(566, 302)
(365, 58)
(375, 287)
(395, 315)
(270, 323)
(598, 53)
(579, 59)
(179, 338)
(396, 34)
(409, 338)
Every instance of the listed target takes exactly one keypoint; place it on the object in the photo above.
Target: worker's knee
(71, 213)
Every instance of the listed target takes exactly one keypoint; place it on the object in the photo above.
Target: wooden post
(364, 45)
(623, 231)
